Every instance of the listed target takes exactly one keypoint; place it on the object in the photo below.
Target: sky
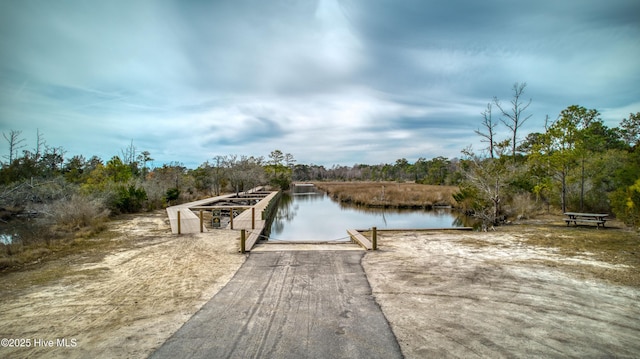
(333, 82)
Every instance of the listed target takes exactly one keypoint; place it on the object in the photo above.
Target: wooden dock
(251, 219)
(189, 221)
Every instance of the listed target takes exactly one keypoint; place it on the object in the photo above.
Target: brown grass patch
(619, 247)
(18, 256)
(390, 194)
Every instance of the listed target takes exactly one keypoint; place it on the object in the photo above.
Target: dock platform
(253, 221)
(250, 219)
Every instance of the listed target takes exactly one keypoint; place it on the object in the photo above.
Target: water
(9, 233)
(16, 231)
(6, 238)
(313, 216)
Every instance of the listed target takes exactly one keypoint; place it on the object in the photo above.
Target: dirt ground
(445, 294)
(122, 305)
(490, 295)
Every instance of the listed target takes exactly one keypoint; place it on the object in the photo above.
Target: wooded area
(575, 163)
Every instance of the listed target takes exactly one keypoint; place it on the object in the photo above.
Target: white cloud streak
(328, 81)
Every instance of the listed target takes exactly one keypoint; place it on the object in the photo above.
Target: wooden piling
(231, 217)
(178, 222)
(253, 218)
(374, 238)
(243, 239)
(201, 222)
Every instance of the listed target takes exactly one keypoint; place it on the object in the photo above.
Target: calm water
(314, 216)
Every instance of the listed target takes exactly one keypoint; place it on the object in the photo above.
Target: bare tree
(218, 172)
(489, 125)
(40, 144)
(489, 177)
(129, 154)
(289, 161)
(15, 143)
(514, 116)
(245, 172)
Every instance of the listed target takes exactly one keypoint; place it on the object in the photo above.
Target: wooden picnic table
(597, 218)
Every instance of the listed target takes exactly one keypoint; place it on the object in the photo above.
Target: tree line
(574, 163)
(125, 183)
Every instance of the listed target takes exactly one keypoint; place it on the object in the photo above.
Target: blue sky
(329, 81)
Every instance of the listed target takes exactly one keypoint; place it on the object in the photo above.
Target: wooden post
(253, 217)
(201, 222)
(243, 238)
(231, 217)
(178, 222)
(374, 239)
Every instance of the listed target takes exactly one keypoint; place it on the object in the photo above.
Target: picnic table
(575, 217)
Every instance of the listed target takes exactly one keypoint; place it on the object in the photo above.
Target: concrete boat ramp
(289, 304)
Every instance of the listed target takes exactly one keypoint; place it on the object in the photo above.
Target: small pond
(313, 216)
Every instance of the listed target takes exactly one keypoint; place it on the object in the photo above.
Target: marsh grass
(390, 194)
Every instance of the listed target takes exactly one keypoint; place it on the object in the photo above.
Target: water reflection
(310, 215)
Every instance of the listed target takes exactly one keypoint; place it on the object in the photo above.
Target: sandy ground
(124, 305)
(443, 296)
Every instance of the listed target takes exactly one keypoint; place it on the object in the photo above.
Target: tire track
(289, 305)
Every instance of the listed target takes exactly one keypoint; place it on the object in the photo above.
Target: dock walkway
(189, 221)
(251, 219)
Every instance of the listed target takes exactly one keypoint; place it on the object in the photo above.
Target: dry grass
(390, 194)
(77, 213)
(615, 245)
(66, 226)
(17, 256)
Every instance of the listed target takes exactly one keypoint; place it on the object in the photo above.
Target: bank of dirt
(535, 290)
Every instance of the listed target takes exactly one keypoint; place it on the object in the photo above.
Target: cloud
(330, 81)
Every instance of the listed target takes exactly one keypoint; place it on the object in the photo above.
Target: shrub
(129, 199)
(77, 212)
(521, 206)
(625, 203)
(467, 199)
(172, 194)
(27, 195)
